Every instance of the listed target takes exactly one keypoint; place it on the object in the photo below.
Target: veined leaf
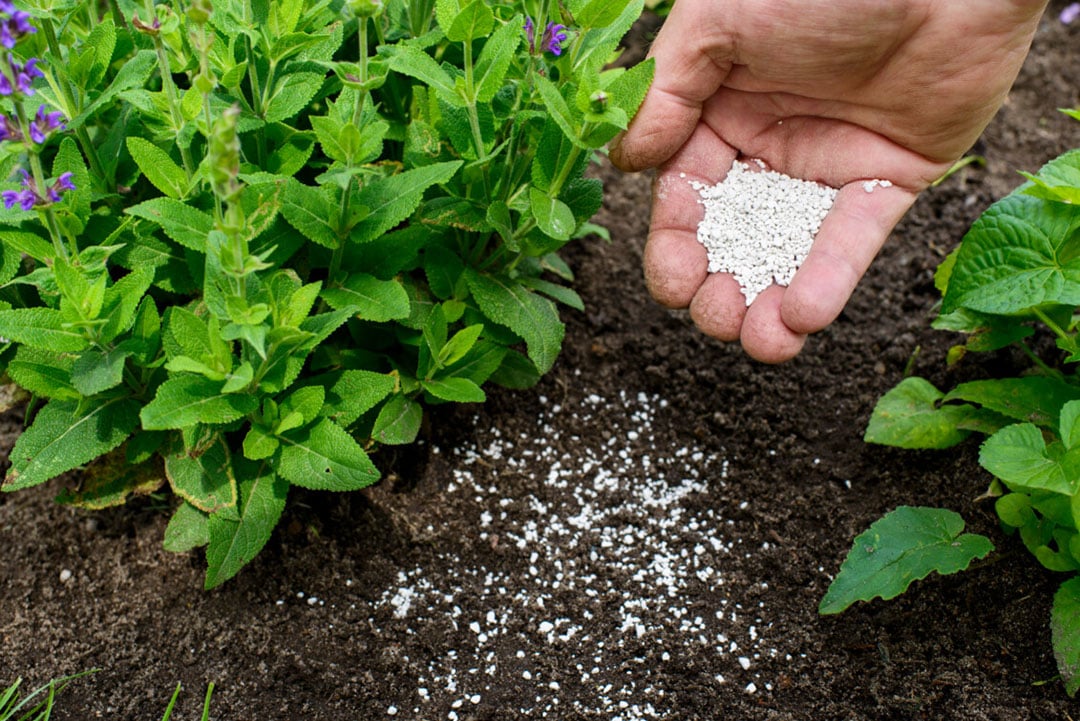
(40, 328)
(372, 299)
(495, 59)
(232, 544)
(553, 216)
(530, 316)
(188, 528)
(909, 416)
(475, 20)
(1065, 633)
(158, 167)
(205, 479)
(398, 421)
(391, 200)
(1037, 399)
(63, 437)
(310, 211)
(189, 399)
(904, 546)
(356, 392)
(181, 222)
(414, 62)
(559, 110)
(292, 94)
(43, 373)
(325, 457)
(456, 389)
(97, 370)
(1018, 455)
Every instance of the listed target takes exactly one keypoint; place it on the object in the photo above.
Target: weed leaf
(909, 416)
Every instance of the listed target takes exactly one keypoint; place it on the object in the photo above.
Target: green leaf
(187, 529)
(133, 73)
(495, 59)
(1069, 428)
(391, 200)
(909, 416)
(233, 544)
(559, 110)
(356, 392)
(462, 342)
(903, 546)
(43, 373)
(553, 216)
(64, 436)
(1019, 456)
(1065, 633)
(30, 243)
(181, 222)
(42, 328)
(1019, 254)
(372, 299)
(204, 478)
(598, 14)
(189, 399)
(459, 390)
(97, 370)
(325, 457)
(474, 21)
(1058, 180)
(310, 211)
(530, 316)
(158, 167)
(414, 62)
(398, 421)
(1037, 399)
(292, 94)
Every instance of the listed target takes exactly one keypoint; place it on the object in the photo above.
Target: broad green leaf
(97, 370)
(181, 222)
(42, 328)
(1037, 399)
(1065, 633)
(528, 315)
(310, 211)
(64, 436)
(259, 444)
(372, 299)
(495, 59)
(204, 479)
(460, 344)
(480, 362)
(73, 211)
(122, 301)
(553, 216)
(356, 392)
(1058, 180)
(1020, 253)
(560, 293)
(598, 14)
(188, 529)
(903, 546)
(1068, 427)
(133, 73)
(456, 389)
(189, 399)
(474, 21)
(233, 544)
(446, 12)
(1019, 456)
(292, 94)
(414, 62)
(30, 243)
(307, 401)
(391, 200)
(910, 416)
(559, 110)
(398, 421)
(44, 373)
(158, 167)
(325, 457)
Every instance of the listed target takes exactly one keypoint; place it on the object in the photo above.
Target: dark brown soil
(647, 534)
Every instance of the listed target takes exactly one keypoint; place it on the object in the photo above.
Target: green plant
(1016, 271)
(11, 704)
(256, 238)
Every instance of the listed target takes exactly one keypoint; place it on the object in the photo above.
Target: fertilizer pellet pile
(759, 224)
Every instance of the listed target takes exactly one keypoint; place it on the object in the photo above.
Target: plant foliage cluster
(1016, 273)
(257, 238)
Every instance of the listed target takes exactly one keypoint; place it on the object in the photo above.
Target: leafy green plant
(16, 708)
(1017, 271)
(257, 238)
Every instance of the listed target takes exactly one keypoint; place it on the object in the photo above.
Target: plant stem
(171, 94)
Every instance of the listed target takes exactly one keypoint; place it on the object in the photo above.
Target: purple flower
(44, 123)
(9, 129)
(29, 197)
(13, 27)
(554, 36)
(1070, 13)
(62, 183)
(530, 33)
(23, 75)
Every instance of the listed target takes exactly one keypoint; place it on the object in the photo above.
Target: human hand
(835, 91)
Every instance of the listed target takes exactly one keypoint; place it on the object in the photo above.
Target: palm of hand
(838, 91)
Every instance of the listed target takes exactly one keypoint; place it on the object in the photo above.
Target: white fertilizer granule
(759, 226)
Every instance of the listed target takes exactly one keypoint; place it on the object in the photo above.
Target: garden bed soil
(646, 534)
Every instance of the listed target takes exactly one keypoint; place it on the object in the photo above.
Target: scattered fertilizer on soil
(615, 557)
(759, 224)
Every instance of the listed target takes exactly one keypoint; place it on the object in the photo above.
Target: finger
(692, 60)
(765, 335)
(850, 237)
(675, 263)
(718, 307)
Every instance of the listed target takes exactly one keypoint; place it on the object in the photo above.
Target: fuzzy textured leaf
(372, 299)
(232, 544)
(529, 315)
(40, 328)
(189, 399)
(325, 457)
(904, 546)
(1065, 633)
(181, 222)
(391, 200)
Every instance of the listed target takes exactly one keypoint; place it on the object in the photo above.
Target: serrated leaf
(1020, 253)
(292, 94)
(495, 58)
(909, 416)
(110, 480)
(398, 422)
(310, 211)
(356, 392)
(24, 242)
(181, 222)
(391, 200)
(414, 62)
(43, 373)
(1058, 180)
(553, 216)
(40, 328)
(63, 437)
(1019, 456)
(904, 546)
(158, 167)
(233, 544)
(1065, 633)
(188, 529)
(456, 389)
(189, 399)
(372, 299)
(1037, 399)
(528, 315)
(204, 479)
(97, 370)
(475, 20)
(325, 457)
(598, 14)
(559, 110)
